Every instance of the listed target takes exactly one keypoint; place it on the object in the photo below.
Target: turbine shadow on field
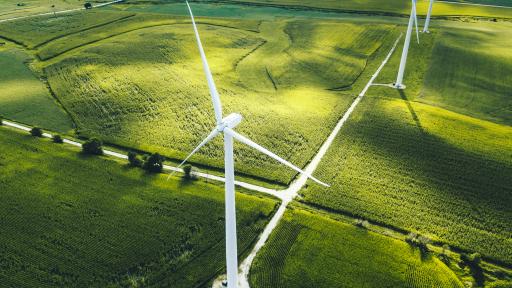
(482, 183)
(411, 109)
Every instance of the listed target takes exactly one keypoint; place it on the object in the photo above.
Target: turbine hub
(230, 121)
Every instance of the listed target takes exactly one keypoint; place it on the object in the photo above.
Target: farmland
(24, 97)
(377, 6)
(17, 8)
(72, 220)
(422, 167)
(433, 159)
(170, 112)
(305, 251)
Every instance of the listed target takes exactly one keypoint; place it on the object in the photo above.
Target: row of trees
(152, 163)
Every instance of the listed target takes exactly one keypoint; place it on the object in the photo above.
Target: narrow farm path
(292, 191)
(286, 195)
(60, 12)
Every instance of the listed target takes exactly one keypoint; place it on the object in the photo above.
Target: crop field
(388, 7)
(11, 9)
(463, 69)
(24, 97)
(71, 220)
(471, 72)
(307, 250)
(170, 111)
(422, 167)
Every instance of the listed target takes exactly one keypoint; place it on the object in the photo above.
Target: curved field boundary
(125, 32)
(263, 42)
(83, 30)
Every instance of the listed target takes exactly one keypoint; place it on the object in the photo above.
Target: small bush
(36, 132)
(154, 163)
(362, 223)
(418, 241)
(1, 121)
(57, 139)
(92, 147)
(134, 159)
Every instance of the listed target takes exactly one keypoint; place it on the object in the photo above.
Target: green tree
(57, 139)
(36, 132)
(154, 163)
(92, 147)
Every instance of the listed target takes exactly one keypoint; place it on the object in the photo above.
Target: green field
(24, 97)
(11, 9)
(69, 220)
(307, 250)
(422, 167)
(434, 159)
(471, 72)
(377, 6)
(268, 76)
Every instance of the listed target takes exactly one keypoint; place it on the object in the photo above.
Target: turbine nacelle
(230, 121)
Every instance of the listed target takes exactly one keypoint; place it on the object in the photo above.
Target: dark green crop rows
(77, 221)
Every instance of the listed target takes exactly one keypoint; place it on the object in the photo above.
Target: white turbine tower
(427, 21)
(413, 20)
(226, 126)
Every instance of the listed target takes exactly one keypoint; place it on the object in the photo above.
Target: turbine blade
(210, 136)
(265, 151)
(416, 20)
(211, 84)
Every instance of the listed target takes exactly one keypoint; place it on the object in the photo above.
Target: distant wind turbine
(226, 125)
(413, 20)
(427, 21)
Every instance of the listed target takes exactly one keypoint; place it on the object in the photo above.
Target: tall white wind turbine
(427, 21)
(413, 20)
(225, 126)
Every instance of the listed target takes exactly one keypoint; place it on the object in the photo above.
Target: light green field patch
(471, 72)
(69, 220)
(464, 68)
(307, 250)
(146, 88)
(23, 97)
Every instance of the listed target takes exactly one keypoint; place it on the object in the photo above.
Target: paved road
(59, 12)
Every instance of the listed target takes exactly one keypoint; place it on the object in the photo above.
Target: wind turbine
(225, 126)
(427, 21)
(412, 20)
